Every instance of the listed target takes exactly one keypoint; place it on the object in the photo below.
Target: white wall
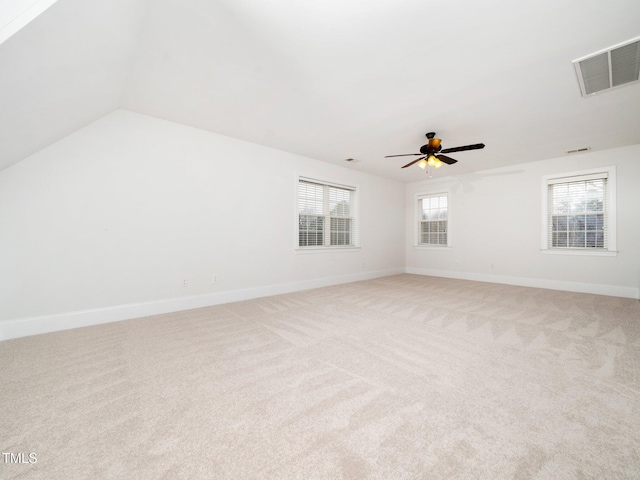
(496, 220)
(105, 224)
(108, 221)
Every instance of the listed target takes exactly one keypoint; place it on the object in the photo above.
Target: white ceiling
(329, 80)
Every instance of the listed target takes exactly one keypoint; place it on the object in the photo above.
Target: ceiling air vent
(579, 150)
(615, 66)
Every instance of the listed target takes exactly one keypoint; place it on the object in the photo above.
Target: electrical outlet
(214, 278)
(183, 283)
(362, 264)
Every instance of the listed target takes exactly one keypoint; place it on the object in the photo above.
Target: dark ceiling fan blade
(403, 155)
(411, 163)
(447, 160)
(475, 146)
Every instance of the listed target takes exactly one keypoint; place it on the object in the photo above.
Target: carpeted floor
(403, 377)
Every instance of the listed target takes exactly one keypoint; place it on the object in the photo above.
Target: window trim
(356, 217)
(417, 217)
(611, 250)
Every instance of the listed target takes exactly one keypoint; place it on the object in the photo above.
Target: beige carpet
(403, 377)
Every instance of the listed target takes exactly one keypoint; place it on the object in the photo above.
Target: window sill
(432, 247)
(311, 250)
(579, 251)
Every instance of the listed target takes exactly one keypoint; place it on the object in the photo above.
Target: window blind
(433, 223)
(577, 212)
(326, 214)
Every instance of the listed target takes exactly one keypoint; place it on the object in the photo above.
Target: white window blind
(326, 214)
(433, 222)
(578, 212)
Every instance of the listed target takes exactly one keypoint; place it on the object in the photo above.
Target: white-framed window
(432, 220)
(579, 212)
(327, 215)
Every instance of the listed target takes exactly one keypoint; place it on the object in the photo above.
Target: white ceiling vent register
(615, 66)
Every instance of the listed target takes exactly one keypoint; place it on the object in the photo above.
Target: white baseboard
(597, 289)
(23, 327)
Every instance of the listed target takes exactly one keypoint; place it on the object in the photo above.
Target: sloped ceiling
(65, 69)
(329, 80)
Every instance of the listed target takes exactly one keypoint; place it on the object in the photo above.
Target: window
(326, 214)
(433, 220)
(580, 212)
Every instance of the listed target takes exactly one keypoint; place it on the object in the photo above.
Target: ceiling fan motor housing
(433, 146)
(426, 150)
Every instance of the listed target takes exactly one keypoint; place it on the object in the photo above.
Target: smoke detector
(609, 68)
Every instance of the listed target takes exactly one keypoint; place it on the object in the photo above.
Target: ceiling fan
(432, 153)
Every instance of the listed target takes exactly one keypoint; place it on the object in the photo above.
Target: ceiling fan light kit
(432, 153)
